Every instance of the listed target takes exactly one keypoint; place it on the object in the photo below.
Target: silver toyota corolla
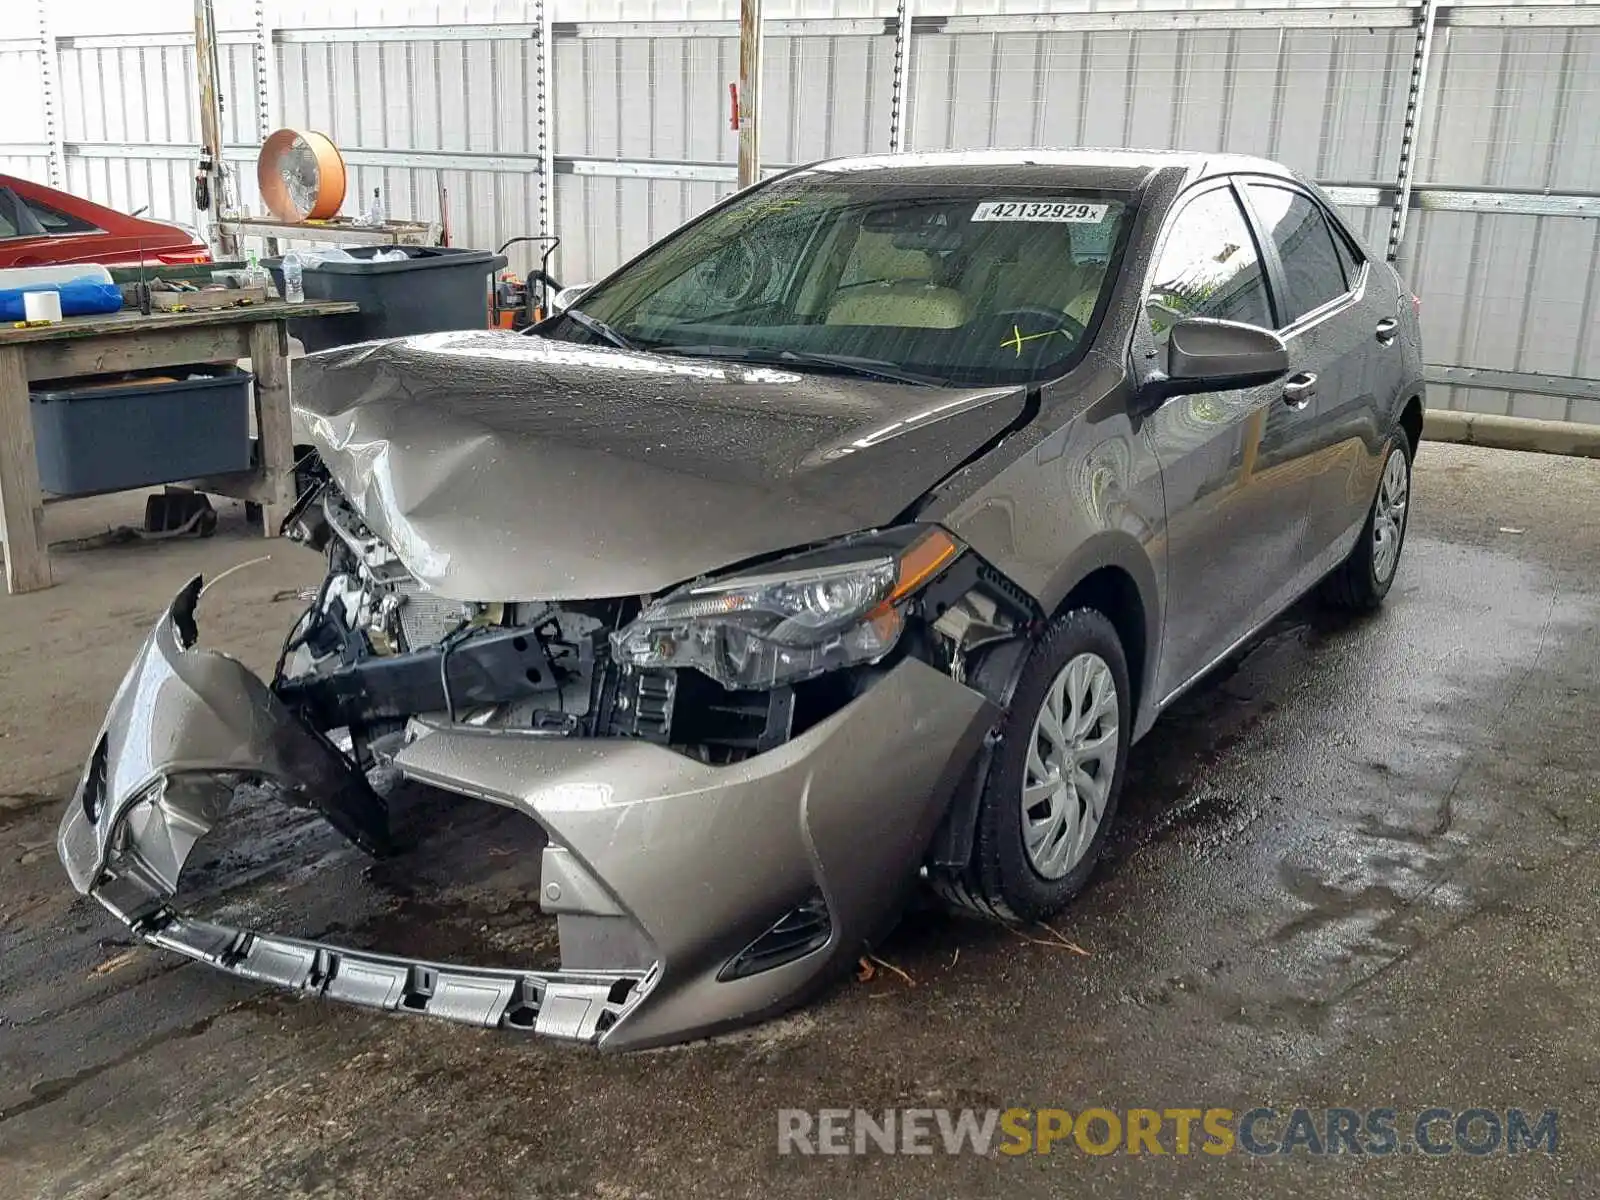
(844, 540)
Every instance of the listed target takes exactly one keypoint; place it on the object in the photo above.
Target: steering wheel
(1038, 321)
(740, 272)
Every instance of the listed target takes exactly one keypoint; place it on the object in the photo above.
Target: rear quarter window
(1349, 258)
(55, 221)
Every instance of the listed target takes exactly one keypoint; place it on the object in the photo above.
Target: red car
(42, 227)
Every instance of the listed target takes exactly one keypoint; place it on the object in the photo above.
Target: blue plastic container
(110, 439)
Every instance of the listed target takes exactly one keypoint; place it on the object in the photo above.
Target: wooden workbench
(127, 341)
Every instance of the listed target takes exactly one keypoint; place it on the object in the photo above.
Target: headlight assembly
(785, 625)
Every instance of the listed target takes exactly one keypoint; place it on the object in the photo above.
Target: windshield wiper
(849, 364)
(599, 328)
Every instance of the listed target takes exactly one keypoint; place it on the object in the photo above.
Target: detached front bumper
(184, 729)
(676, 884)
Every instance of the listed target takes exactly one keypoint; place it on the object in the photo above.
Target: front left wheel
(1053, 785)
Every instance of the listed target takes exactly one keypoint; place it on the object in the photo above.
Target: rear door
(1339, 319)
(1236, 493)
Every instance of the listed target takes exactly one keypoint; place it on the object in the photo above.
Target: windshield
(957, 285)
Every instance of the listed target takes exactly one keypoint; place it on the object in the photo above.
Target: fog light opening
(802, 930)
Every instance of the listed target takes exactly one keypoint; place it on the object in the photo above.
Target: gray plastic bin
(109, 439)
(436, 288)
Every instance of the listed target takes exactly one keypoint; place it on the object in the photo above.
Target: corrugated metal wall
(665, 99)
(1518, 110)
(1324, 102)
(131, 114)
(1504, 246)
(1328, 103)
(25, 132)
(436, 103)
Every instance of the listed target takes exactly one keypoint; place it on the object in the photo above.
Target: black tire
(1000, 882)
(1356, 584)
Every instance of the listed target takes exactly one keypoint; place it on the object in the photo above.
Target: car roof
(80, 206)
(1108, 169)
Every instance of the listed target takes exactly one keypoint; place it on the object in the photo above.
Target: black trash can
(435, 288)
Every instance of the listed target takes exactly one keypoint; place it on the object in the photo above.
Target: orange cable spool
(301, 176)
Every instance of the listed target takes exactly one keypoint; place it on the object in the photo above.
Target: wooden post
(21, 505)
(205, 57)
(749, 92)
(269, 359)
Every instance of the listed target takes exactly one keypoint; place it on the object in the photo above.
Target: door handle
(1298, 389)
(1386, 330)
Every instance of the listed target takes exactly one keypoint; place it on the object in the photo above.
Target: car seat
(897, 288)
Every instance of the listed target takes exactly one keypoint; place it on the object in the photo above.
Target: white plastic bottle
(294, 285)
(255, 275)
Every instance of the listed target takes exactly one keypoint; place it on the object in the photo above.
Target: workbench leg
(269, 359)
(21, 505)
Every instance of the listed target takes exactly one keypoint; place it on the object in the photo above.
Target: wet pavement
(1354, 868)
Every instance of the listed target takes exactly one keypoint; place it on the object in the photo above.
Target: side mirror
(1203, 355)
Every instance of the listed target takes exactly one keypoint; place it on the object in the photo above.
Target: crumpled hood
(506, 467)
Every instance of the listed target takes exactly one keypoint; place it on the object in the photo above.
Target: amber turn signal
(923, 559)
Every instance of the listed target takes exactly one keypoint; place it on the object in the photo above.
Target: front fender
(1124, 552)
(1086, 496)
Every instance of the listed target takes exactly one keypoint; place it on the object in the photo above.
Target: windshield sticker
(1070, 212)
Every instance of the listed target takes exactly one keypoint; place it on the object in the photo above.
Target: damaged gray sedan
(840, 544)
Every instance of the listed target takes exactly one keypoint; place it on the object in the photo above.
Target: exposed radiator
(426, 618)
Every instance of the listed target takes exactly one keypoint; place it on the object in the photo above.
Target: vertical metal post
(212, 168)
(749, 92)
(545, 129)
(900, 89)
(264, 64)
(54, 114)
(1420, 54)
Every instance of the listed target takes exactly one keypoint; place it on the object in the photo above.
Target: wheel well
(1112, 592)
(1411, 422)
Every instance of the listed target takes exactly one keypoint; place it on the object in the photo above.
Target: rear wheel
(1053, 785)
(1362, 581)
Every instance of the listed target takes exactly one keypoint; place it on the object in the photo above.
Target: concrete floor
(1355, 868)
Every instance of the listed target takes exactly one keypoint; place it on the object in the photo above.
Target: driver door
(1236, 492)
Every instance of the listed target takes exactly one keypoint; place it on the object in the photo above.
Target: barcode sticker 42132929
(1072, 211)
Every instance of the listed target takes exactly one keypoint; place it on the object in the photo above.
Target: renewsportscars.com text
(1260, 1132)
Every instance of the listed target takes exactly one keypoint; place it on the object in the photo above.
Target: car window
(1209, 267)
(950, 283)
(14, 219)
(1349, 258)
(56, 221)
(1311, 267)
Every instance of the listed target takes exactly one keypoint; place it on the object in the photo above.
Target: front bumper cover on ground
(661, 869)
